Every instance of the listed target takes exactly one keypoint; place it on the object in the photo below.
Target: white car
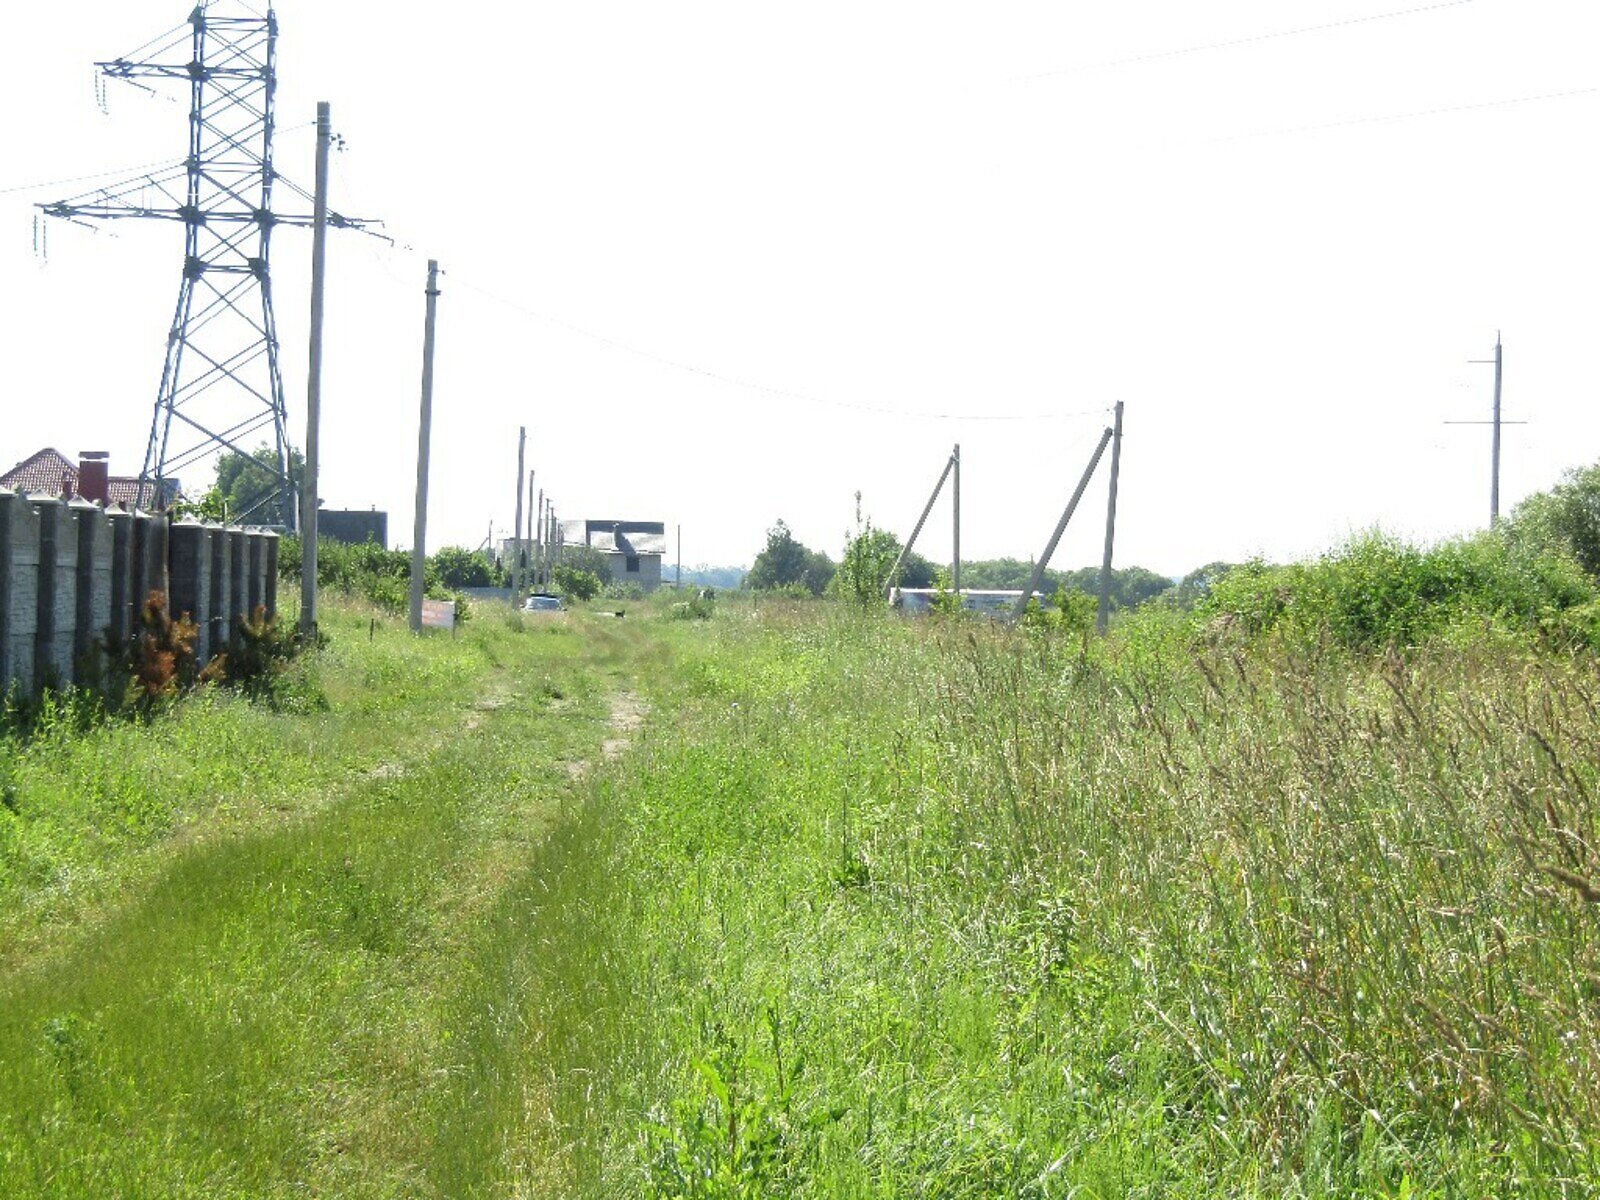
(543, 602)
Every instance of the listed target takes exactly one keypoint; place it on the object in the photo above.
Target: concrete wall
(189, 564)
(93, 617)
(122, 595)
(19, 590)
(648, 576)
(56, 627)
(72, 573)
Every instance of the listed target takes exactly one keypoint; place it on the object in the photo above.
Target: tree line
(787, 564)
(1540, 563)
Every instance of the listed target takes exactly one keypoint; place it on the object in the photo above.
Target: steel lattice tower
(221, 385)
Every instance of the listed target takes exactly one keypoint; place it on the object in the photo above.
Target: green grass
(869, 907)
(898, 910)
(242, 948)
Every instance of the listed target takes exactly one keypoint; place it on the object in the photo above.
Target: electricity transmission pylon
(221, 385)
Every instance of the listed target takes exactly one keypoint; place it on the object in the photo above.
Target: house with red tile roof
(51, 473)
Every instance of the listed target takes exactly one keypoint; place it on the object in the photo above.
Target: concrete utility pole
(518, 574)
(538, 545)
(308, 485)
(1497, 421)
(955, 536)
(677, 582)
(1103, 617)
(419, 540)
(1061, 525)
(552, 545)
(1494, 477)
(951, 463)
(552, 541)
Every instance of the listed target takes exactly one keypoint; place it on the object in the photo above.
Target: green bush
(700, 608)
(460, 568)
(1378, 591)
(260, 661)
(1565, 520)
(576, 582)
(586, 558)
(373, 573)
(785, 564)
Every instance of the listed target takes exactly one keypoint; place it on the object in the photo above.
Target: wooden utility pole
(419, 539)
(308, 485)
(1061, 525)
(955, 538)
(518, 574)
(1103, 617)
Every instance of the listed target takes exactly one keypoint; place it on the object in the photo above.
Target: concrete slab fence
(73, 574)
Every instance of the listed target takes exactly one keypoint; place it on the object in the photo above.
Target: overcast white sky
(730, 262)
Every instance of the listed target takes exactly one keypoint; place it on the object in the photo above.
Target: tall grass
(871, 908)
(962, 911)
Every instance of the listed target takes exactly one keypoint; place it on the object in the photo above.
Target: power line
(1408, 116)
(1244, 41)
(752, 385)
(133, 170)
(51, 183)
(404, 245)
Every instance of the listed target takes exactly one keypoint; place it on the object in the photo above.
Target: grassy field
(246, 953)
(862, 907)
(902, 909)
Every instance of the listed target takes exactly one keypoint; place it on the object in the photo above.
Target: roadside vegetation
(1287, 888)
(949, 910)
(249, 952)
(382, 577)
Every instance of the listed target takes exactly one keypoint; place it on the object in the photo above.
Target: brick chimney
(94, 475)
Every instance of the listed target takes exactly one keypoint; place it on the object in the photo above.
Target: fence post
(221, 587)
(269, 585)
(19, 584)
(58, 592)
(238, 576)
(93, 616)
(123, 595)
(258, 566)
(191, 581)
